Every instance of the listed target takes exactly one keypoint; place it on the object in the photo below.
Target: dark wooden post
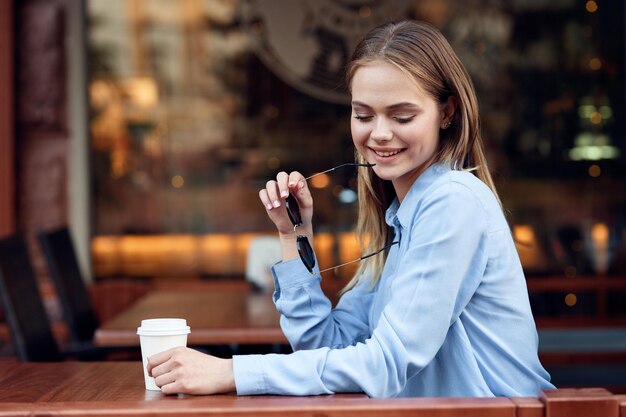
(7, 122)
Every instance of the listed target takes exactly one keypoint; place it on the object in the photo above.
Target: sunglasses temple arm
(339, 266)
(339, 166)
(360, 259)
(378, 251)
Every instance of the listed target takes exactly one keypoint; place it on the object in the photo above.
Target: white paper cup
(158, 335)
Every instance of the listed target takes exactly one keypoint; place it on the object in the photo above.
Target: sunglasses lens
(306, 252)
(293, 210)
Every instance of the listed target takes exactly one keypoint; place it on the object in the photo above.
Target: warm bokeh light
(527, 246)
(596, 118)
(591, 6)
(524, 233)
(594, 171)
(323, 246)
(178, 181)
(600, 238)
(350, 248)
(143, 91)
(600, 234)
(101, 92)
(595, 64)
(571, 300)
(320, 181)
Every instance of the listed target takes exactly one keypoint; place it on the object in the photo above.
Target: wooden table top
(117, 389)
(215, 317)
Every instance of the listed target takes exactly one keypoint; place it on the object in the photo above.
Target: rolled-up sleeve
(307, 317)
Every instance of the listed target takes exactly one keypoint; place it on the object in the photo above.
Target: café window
(196, 104)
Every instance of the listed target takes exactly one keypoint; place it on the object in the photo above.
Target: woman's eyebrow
(402, 105)
(359, 104)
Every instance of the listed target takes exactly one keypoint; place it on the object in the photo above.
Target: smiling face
(395, 124)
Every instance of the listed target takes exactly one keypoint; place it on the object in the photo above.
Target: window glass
(196, 104)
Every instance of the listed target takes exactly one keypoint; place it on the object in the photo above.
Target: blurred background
(148, 126)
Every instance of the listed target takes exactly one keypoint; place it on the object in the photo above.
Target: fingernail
(301, 185)
(284, 193)
(276, 203)
(269, 206)
(291, 184)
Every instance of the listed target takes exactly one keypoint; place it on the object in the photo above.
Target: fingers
(187, 371)
(164, 367)
(201, 374)
(296, 181)
(171, 388)
(156, 360)
(165, 379)
(282, 180)
(297, 187)
(270, 195)
(276, 191)
(160, 369)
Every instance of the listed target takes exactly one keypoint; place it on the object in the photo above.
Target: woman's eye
(363, 118)
(403, 119)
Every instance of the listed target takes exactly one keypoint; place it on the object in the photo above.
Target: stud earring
(447, 124)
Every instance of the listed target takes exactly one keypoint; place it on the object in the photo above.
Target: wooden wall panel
(7, 131)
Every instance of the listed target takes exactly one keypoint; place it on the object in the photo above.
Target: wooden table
(215, 317)
(117, 389)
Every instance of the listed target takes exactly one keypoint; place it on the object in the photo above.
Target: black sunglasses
(304, 247)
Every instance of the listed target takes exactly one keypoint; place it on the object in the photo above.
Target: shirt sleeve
(307, 317)
(436, 275)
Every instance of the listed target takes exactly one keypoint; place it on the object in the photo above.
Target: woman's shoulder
(462, 184)
(467, 193)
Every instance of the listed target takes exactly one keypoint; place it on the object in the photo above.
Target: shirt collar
(401, 214)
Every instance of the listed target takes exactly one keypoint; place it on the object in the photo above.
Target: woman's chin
(384, 174)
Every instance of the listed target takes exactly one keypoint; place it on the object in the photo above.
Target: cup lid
(163, 327)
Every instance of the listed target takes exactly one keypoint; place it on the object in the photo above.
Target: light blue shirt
(450, 316)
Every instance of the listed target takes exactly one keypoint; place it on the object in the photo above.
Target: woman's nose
(381, 131)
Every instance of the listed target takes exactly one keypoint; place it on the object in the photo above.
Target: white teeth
(380, 153)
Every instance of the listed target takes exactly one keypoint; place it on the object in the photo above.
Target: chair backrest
(23, 308)
(68, 280)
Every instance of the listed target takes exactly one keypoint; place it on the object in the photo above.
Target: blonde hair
(422, 53)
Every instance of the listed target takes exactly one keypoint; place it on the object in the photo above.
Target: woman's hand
(273, 198)
(183, 370)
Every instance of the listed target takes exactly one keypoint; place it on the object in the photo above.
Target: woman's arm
(435, 278)
(307, 317)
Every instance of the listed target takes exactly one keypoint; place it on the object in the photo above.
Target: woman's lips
(386, 154)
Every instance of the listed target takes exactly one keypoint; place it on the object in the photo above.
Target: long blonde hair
(422, 53)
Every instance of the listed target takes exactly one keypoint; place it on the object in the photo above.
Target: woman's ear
(448, 110)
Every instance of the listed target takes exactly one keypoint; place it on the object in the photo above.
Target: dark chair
(73, 294)
(26, 316)
(24, 311)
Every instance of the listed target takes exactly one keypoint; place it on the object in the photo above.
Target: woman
(444, 311)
